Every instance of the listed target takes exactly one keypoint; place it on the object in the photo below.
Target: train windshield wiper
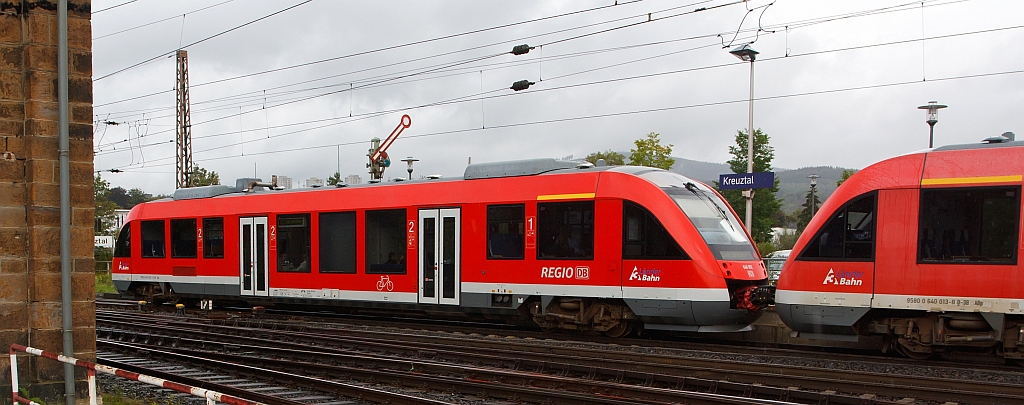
(701, 195)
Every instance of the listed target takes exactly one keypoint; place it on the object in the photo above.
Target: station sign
(743, 181)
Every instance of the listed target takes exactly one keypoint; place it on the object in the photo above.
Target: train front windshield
(720, 229)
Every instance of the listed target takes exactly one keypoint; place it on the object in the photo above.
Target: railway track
(577, 368)
(653, 340)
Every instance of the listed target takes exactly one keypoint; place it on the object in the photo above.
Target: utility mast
(183, 140)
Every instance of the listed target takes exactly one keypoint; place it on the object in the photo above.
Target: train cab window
(505, 229)
(643, 237)
(293, 243)
(969, 225)
(123, 246)
(385, 242)
(565, 230)
(153, 239)
(183, 238)
(213, 238)
(848, 235)
(338, 242)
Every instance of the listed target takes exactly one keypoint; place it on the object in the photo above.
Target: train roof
(476, 171)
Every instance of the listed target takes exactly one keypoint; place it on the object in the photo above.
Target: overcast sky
(835, 83)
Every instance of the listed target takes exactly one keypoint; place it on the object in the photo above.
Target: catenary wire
(606, 115)
(199, 41)
(635, 77)
(159, 21)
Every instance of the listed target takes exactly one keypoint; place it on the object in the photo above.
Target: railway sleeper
(613, 318)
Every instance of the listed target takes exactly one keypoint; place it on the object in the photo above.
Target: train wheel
(621, 329)
(911, 354)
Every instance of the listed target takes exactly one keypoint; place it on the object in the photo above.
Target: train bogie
(603, 249)
(922, 249)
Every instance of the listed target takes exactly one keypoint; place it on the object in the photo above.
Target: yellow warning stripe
(565, 196)
(972, 180)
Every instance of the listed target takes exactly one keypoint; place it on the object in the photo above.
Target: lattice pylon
(183, 126)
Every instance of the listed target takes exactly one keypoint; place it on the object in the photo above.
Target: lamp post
(746, 53)
(814, 185)
(932, 117)
(409, 161)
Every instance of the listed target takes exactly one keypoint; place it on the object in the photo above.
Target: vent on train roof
(203, 192)
(526, 167)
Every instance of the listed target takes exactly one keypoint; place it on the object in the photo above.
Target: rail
(212, 397)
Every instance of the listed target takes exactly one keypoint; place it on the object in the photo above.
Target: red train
(565, 245)
(922, 249)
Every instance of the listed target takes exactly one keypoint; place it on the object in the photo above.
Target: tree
(846, 175)
(119, 196)
(765, 203)
(649, 152)
(137, 196)
(200, 177)
(334, 179)
(611, 158)
(804, 215)
(104, 208)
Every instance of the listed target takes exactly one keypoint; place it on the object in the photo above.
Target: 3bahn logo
(639, 274)
(578, 272)
(844, 277)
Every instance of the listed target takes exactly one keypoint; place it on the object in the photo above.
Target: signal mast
(378, 154)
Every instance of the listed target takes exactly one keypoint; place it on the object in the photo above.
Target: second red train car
(922, 249)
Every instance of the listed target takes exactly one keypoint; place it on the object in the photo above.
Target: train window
(505, 231)
(385, 242)
(338, 242)
(566, 230)
(153, 239)
(183, 238)
(293, 248)
(848, 235)
(719, 228)
(969, 225)
(123, 246)
(213, 238)
(643, 236)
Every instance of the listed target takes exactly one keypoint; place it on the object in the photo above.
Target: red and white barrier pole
(92, 368)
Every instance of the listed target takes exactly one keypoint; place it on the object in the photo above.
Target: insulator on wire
(521, 85)
(521, 49)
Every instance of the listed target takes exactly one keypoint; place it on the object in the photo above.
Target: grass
(104, 283)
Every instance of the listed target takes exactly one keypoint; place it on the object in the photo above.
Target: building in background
(314, 182)
(284, 182)
(353, 179)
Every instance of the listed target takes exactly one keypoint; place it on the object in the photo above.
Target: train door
(253, 252)
(439, 251)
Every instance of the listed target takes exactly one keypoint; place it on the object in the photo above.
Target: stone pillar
(30, 279)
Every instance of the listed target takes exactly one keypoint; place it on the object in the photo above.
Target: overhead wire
(482, 97)
(112, 7)
(698, 68)
(650, 19)
(622, 113)
(635, 77)
(159, 21)
(199, 41)
(433, 40)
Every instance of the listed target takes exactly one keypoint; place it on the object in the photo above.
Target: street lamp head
(409, 161)
(814, 179)
(745, 53)
(933, 108)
